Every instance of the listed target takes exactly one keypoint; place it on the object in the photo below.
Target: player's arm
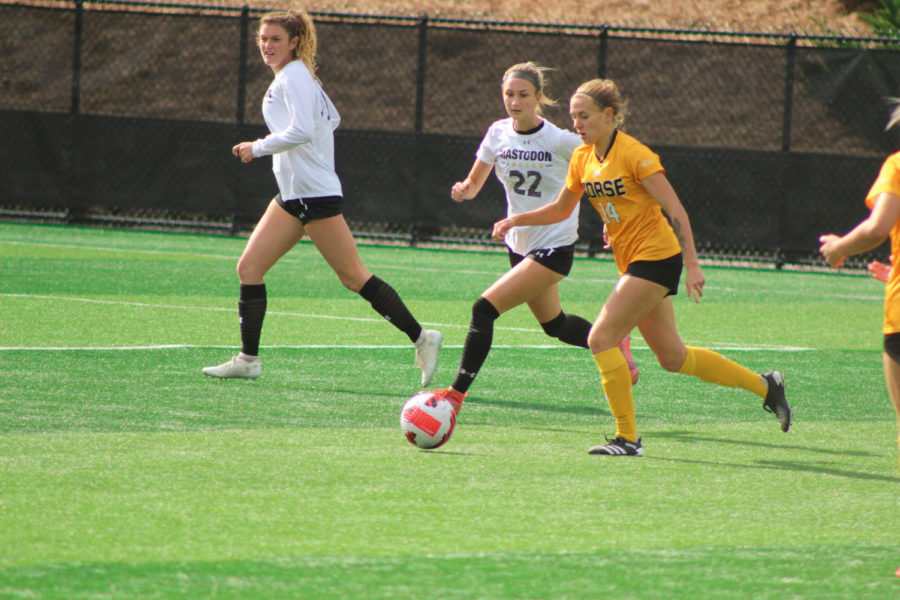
(556, 211)
(658, 186)
(869, 234)
(300, 99)
(471, 185)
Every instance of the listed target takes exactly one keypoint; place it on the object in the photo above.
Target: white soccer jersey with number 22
(532, 168)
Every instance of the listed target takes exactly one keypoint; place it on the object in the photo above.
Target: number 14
(607, 211)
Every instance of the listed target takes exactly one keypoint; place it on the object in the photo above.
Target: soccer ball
(427, 421)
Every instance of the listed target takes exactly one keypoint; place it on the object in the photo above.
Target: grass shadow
(691, 437)
(784, 466)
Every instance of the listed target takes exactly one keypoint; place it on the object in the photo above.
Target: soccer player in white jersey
(302, 120)
(530, 157)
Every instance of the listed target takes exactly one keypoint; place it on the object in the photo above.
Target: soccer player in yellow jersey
(883, 200)
(627, 185)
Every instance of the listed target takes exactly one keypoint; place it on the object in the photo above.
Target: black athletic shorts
(892, 345)
(559, 260)
(310, 209)
(665, 272)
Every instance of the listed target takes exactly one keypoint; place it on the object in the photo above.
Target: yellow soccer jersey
(637, 228)
(889, 181)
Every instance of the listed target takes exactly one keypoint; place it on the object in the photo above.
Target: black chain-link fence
(123, 112)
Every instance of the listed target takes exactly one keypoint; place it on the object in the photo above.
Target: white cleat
(427, 347)
(236, 368)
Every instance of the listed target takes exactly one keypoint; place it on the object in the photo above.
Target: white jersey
(302, 120)
(532, 168)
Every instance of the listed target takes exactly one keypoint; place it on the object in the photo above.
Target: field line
(234, 310)
(712, 346)
(571, 280)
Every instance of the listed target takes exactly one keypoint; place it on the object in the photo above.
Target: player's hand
(244, 151)
(829, 250)
(606, 244)
(694, 282)
(501, 228)
(458, 191)
(879, 270)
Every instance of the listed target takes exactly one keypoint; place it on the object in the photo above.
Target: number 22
(519, 181)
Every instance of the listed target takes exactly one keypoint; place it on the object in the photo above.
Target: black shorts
(559, 260)
(892, 345)
(665, 272)
(310, 209)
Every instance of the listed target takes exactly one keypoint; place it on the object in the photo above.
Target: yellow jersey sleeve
(888, 180)
(576, 167)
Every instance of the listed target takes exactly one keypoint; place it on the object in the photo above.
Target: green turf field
(127, 474)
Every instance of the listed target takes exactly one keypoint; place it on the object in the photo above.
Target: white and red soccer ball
(427, 420)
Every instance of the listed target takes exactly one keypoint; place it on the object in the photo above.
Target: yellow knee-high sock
(713, 367)
(616, 379)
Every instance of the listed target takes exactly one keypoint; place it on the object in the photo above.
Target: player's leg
(661, 335)
(335, 242)
(631, 300)
(572, 329)
(275, 234)
(891, 362)
(525, 281)
(534, 279)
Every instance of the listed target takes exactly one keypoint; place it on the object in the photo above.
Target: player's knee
(597, 342)
(248, 272)
(670, 362)
(353, 280)
(482, 309)
(351, 283)
(554, 326)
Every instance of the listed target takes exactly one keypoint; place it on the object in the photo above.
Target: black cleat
(775, 401)
(619, 447)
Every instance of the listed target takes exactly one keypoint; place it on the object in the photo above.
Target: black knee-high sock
(478, 343)
(252, 311)
(570, 329)
(386, 302)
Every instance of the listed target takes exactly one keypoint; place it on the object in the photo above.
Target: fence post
(421, 72)
(420, 75)
(74, 110)
(790, 65)
(602, 50)
(789, 92)
(76, 58)
(241, 106)
(242, 64)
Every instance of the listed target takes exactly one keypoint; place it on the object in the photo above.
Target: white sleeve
(300, 100)
(568, 141)
(486, 152)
